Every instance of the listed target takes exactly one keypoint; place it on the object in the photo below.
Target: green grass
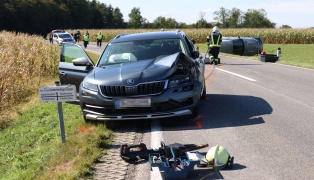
(301, 55)
(31, 148)
(93, 56)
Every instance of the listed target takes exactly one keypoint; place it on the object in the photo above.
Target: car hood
(139, 71)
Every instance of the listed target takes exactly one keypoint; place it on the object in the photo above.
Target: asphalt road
(261, 112)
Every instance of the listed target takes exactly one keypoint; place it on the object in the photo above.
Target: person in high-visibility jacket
(86, 39)
(213, 41)
(99, 39)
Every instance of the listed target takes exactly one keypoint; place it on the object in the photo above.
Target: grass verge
(31, 148)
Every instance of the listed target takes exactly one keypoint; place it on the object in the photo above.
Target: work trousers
(85, 44)
(214, 51)
(99, 42)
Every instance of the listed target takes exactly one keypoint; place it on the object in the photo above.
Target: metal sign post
(60, 112)
(58, 94)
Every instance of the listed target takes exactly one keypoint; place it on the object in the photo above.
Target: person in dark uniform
(50, 38)
(78, 35)
(213, 41)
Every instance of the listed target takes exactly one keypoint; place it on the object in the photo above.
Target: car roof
(57, 30)
(59, 33)
(148, 35)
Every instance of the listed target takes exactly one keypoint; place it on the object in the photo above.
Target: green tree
(235, 18)
(202, 23)
(9, 19)
(285, 27)
(108, 17)
(171, 23)
(118, 21)
(222, 17)
(136, 18)
(159, 22)
(97, 16)
(257, 19)
(80, 13)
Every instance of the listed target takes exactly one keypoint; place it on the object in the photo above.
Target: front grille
(141, 89)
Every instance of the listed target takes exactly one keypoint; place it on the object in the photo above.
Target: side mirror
(195, 54)
(81, 62)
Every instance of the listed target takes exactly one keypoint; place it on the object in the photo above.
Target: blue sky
(297, 14)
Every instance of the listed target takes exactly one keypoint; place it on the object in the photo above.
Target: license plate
(133, 102)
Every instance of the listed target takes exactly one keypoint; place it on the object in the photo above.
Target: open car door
(74, 65)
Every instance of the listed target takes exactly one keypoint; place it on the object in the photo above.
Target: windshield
(140, 50)
(64, 36)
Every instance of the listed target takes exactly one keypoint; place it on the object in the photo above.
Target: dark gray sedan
(138, 76)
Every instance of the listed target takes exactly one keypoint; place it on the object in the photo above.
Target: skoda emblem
(130, 81)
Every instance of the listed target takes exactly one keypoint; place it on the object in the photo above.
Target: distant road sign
(57, 93)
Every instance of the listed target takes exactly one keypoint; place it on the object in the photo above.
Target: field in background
(269, 36)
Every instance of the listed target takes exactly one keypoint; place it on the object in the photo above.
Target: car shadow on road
(220, 110)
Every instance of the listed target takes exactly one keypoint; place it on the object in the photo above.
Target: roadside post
(278, 53)
(59, 94)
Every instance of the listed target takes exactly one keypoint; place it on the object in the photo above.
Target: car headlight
(178, 81)
(90, 86)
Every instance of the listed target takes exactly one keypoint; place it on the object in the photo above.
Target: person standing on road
(99, 39)
(75, 37)
(78, 35)
(86, 39)
(213, 41)
(50, 38)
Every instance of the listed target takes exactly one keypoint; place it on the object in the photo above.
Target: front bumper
(103, 117)
(170, 103)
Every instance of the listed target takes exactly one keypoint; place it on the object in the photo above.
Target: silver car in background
(59, 38)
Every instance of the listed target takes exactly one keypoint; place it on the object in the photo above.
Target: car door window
(71, 51)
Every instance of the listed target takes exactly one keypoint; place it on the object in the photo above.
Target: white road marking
(156, 137)
(238, 75)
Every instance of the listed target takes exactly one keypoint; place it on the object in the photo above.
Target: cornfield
(25, 62)
(269, 36)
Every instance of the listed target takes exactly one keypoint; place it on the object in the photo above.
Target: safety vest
(86, 37)
(99, 36)
(213, 44)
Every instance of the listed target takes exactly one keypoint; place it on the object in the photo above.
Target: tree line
(41, 16)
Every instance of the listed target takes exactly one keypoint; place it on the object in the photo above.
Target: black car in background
(138, 76)
(243, 46)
